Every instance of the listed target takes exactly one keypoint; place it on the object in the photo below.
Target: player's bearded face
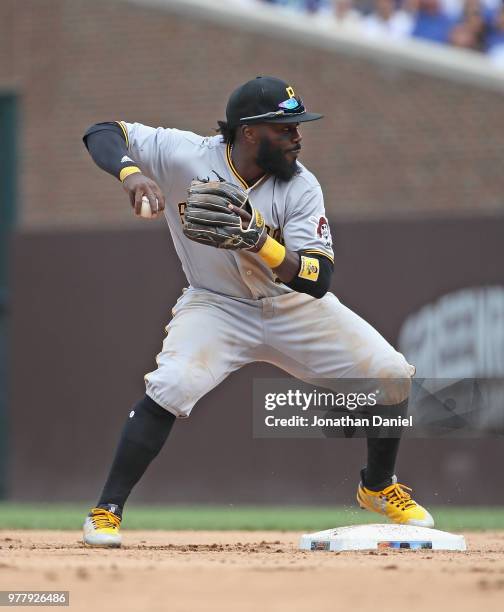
(273, 159)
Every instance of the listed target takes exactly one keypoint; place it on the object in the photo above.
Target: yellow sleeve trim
(125, 172)
(310, 268)
(272, 252)
(125, 132)
(316, 252)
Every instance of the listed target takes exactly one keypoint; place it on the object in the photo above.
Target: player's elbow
(92, 129)
(100, 128)
(319, 291)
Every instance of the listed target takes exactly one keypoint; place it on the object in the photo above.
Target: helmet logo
(290, 92)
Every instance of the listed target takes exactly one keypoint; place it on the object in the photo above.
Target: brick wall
(393, 142)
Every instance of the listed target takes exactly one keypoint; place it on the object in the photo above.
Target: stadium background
(409, 156)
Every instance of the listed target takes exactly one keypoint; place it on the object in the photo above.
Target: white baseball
(146, 210)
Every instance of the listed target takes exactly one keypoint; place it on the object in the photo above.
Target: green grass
(288, 518)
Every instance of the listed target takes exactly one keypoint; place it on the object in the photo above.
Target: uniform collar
(238, 177)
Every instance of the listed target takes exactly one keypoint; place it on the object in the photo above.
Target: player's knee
(177, 385)
(394, 381)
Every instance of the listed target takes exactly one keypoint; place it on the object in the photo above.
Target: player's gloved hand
(219, 214)
(138, 185)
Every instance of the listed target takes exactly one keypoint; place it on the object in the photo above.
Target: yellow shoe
(396, 504)
(101, 528)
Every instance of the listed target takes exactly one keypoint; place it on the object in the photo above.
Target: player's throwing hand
(137, 186)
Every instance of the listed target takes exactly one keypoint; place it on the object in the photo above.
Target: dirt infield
(188, 571)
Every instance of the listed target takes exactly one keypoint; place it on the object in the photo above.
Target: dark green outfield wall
(8, 209)
(88, 316)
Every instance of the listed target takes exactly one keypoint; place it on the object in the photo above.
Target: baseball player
(248, 223)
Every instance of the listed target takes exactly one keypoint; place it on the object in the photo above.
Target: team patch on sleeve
(310, 268)
(322, 230)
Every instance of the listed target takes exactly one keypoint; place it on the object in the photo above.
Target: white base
(381, 536)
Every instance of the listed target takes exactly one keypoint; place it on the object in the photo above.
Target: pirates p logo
(290, 92)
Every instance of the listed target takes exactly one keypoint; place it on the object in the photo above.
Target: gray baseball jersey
(235, 312)
(293, 211)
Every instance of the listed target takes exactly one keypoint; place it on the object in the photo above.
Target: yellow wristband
(272, 252)
(125, 172)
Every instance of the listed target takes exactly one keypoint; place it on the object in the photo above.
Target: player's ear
(249, 133)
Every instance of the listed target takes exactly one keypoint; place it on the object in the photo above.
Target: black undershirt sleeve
(106, 144)
(317, 287)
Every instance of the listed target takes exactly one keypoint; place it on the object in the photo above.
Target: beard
(273, 161)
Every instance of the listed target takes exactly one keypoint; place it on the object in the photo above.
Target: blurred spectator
(364, 6)
(476, 25)
(319, 7)
(455, 8)
(452, 8)
(344, 12)
(313, 6)
(341, 12)
(462, 36)
(472, 30)
(495, 40)
(387, 21)
(295, 4)
(430, 22)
